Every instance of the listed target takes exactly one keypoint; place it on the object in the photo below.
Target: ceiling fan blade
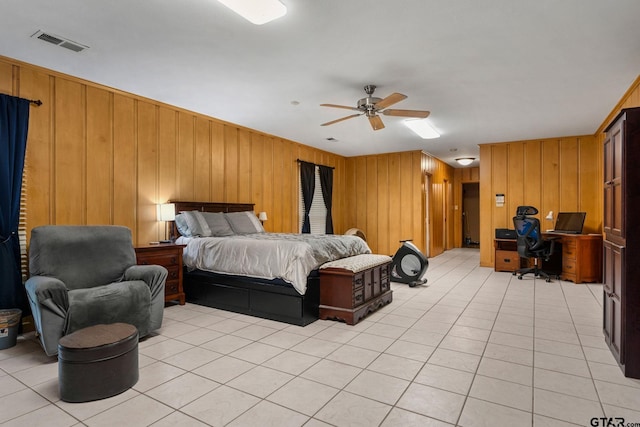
(390, 100)
(339, 120)
(339, 106)
(376, 122)
(407, 113)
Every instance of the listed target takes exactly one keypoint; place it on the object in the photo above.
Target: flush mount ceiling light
(422, 128)
(257, 11)
(465, 161)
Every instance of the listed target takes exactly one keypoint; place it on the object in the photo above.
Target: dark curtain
(14, 122)
(326, 182)
(308, 184)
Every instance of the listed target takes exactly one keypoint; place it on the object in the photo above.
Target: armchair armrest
(155, 277)
(48, 291)
(152, 275)
(49, 301)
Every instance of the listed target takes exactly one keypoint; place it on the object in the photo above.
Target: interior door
(445, 215)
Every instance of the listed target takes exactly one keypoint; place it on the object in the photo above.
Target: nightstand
(169, 256)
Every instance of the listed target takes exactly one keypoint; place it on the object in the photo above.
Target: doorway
(471, 215)
(427, 215)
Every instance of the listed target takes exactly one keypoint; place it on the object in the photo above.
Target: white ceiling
(489, 71)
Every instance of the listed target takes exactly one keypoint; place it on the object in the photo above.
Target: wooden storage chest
(353, 287)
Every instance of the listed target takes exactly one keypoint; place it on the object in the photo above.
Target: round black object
(409, 265)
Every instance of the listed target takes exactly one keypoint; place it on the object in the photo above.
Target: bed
(287, 293)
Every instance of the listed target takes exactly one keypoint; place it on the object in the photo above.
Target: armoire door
(614, 217)
(612, 289)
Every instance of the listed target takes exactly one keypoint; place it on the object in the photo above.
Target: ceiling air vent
(59, 41)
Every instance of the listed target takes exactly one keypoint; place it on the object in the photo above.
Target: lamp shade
(262, 216)
(167, 212)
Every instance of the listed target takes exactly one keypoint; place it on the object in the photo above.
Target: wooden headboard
(211, 206)
(207, 207)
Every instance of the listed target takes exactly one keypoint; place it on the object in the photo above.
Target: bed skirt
(268, 299)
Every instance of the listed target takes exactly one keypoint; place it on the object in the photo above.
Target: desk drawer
(569, 250)
(568, 266)
(507, 261)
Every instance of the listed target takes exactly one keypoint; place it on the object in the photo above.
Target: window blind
(22, 226)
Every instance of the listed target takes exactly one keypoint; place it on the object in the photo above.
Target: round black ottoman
(97, 362)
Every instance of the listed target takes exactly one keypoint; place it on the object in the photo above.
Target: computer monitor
(570, 222)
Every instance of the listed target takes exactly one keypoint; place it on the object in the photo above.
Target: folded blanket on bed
(290, 257)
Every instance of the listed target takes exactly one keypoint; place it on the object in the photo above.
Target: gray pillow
(181, 225)
(244, 222)
(196, 224)
(217, 224)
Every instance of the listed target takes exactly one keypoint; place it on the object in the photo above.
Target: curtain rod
(35, 102)
(330, 167)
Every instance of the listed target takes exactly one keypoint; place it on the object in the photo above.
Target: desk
(580, 256)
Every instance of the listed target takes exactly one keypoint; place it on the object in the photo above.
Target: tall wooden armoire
(621, 304)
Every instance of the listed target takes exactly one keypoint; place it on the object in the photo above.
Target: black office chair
(530, 241)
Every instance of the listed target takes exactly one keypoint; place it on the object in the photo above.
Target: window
(318, 214)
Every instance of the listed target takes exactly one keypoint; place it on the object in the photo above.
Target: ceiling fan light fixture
(465, 161)
(257, 12)
(422, 128)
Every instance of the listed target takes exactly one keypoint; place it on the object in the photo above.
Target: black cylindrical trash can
(9, 323)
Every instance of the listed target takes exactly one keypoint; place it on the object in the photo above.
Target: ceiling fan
(371, 106)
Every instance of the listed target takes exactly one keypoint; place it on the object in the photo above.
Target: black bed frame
(246, 295)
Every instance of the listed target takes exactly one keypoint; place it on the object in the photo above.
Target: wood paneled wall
(96, 155)
(631, 98)
(386, 198)
(551, 174)
(557, 174)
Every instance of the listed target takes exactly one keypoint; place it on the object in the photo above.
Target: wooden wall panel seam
(135, 163)
(112, 169)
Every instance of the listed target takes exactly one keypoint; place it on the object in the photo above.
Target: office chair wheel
(548, 279)
(519, 277)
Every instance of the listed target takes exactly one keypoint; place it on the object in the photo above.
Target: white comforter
(290, 257)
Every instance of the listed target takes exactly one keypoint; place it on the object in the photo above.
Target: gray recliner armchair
(87, 275)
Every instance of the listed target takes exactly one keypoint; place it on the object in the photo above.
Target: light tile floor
(471, 348)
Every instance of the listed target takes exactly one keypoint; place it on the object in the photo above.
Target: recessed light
(295, 102)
